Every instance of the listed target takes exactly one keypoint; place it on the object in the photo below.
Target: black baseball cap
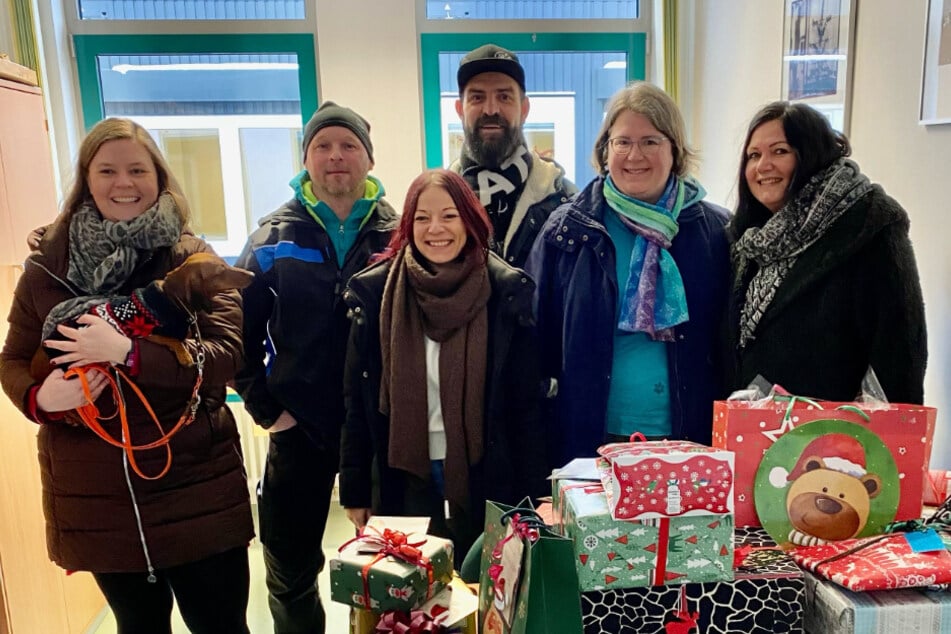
(490, 58)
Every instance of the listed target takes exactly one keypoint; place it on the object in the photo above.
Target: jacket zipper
(135, 502)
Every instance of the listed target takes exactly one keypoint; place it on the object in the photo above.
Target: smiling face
(770, 165)
(122, 180)
(634, 174)
(438, 231)
(492, 110)
(338, 164)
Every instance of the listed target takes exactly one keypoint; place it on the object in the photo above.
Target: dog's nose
(828, 505)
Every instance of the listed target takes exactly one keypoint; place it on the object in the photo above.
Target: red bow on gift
(393, 544)
(416, 622)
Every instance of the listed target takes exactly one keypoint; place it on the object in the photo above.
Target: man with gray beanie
(295, 340)
(518, 188)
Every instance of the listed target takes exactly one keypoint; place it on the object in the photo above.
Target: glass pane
(194, 156)
(269, 157)
(229, 125)
(568, 94)
(191, 9)
(530, 9)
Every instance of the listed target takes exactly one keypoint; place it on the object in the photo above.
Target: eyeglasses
(648, 145)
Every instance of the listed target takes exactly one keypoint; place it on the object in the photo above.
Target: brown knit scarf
(447, 303)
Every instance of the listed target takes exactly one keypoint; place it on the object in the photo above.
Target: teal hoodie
(344, 234)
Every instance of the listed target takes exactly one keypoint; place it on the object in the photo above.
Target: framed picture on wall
(817, 56)
(936, 72)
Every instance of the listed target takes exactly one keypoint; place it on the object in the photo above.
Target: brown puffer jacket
(90, 498)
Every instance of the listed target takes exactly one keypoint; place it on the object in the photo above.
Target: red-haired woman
(442, 379)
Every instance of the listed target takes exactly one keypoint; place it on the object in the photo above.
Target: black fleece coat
(513, 461)
(852, 300)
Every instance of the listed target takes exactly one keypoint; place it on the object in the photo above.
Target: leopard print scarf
(103, 254)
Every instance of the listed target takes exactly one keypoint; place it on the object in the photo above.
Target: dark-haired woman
(825, 282)
(442, 381)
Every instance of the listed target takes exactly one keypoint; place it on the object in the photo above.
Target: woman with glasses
(825, 281)
(629, 276)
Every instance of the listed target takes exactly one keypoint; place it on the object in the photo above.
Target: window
(191, 9)
(530, 9)
(569, 79)
(228, 123)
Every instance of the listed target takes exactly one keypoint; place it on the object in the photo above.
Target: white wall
(368, 61)
(738, 68)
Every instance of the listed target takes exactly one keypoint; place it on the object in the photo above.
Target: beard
(493, 151)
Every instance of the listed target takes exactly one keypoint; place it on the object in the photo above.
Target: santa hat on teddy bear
(839, 452)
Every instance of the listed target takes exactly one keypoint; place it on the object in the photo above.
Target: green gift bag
(528, 583)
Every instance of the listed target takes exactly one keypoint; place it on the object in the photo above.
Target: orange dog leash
(91, 416)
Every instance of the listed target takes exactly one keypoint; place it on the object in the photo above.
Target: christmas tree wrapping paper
(648, 480)
(615, 554)
(390, 571)
(765, 597)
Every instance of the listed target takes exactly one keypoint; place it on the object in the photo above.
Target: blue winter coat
(573, 263)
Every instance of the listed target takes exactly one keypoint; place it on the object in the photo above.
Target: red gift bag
(751, 428)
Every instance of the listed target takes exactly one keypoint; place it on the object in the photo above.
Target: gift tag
(924, 541)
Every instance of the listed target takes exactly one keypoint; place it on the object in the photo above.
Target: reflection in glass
(229, 125)
(194, 156)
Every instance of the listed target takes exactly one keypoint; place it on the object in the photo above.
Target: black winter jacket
(513, 461)
(295, 322)
(852, 300)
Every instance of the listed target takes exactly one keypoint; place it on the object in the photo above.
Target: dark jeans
(424, 498)
(293, 503)
(212, 596)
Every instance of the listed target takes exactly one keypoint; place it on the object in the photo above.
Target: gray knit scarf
(777, 245)
(103, 254)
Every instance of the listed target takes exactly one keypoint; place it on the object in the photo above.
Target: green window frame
(89, 47)
(432, 44)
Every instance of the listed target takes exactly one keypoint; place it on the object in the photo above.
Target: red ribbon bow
(394, 544)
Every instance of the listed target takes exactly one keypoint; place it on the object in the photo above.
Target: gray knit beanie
(330, 114)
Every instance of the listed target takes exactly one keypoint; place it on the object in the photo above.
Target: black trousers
(293, 504)
(212, 596)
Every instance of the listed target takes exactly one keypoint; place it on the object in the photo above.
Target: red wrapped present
(885, 562)
(937, 487)
(656, 479)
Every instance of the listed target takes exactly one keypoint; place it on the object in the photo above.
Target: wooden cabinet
(35, 595)
(27, 187)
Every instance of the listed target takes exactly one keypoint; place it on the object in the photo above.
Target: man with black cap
(517, 187)
(295, 339)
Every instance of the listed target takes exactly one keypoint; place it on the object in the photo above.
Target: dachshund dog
(163, 310)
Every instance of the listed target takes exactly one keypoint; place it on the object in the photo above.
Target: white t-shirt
(437, 430)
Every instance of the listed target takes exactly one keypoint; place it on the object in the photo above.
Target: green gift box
(614, 554)
(380, 572)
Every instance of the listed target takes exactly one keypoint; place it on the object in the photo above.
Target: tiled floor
(338, 531)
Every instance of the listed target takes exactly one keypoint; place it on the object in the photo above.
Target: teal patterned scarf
(654, 300)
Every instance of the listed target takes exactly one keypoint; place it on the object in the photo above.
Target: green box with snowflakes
(365, 576)
(615, 554)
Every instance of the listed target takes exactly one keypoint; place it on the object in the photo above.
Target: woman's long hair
(473, 215)
(814, 142)
(114, 129)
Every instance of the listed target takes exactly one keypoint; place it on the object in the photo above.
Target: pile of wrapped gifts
(818, 528)
(401, 582)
